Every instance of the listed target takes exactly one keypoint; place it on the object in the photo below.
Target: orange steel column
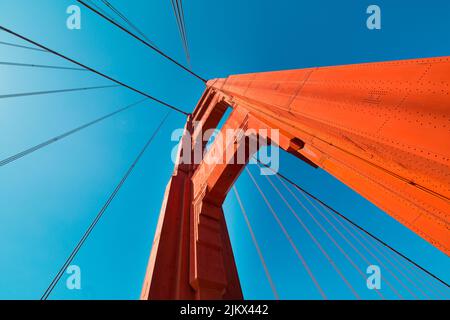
(167, 274)
(191, 256)
(381, 128)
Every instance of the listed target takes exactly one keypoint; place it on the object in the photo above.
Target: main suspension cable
(181, 27)
(126, 20)
(92, 3)
(184, 28)
(94, 71)
(146, 43)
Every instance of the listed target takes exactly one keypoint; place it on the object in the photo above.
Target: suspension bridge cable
(425, 280)
(334, 242)
(18, 64)
(356, 225)
(365, 247)
(101, 212)
(380, 253)
(322, 250)
(21, 46)
(142, 40)
(360, 254)
(180, 25)
(93, 4)
(255, 243)
(177, 18)
(331, 238)
(94, 71)
(126, 20)
(28, 151)
(286, 233)
(37, 93)
(184, 28)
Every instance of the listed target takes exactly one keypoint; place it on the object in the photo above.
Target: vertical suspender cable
(255, 243)
(285, 232)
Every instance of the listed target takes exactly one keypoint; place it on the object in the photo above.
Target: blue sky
(49, 198)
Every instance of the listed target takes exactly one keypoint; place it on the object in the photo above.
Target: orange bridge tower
(383, 129)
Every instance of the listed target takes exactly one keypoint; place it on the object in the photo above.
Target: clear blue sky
(49, 198)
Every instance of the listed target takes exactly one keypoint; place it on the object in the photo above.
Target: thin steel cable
(360, 237)
(340, 234)
(349, 242)
(146, 43)
(21, 46)
(369, 251)
(322, 250)
(255, 243)
(356, 225)
(181, 30)
(126, 20)
(28, 151)
(18, 64)
(330, 237)
(178, 20)
(37, 93)
(93, 4)
(424, 279)
(101, 212)
(185, 32)
(94, 71)
(179, 25)
(286, 233)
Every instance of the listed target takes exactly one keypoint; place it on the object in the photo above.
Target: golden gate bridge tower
(382, 128)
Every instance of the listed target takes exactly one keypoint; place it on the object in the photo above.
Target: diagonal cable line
(185, 32)
(324, 230)
(37, 93)
(322, 250)
(21, 46)
(362, 238)
(18, 64)
(37, 147)
(427, 282)
(142, 41)
(288, 237)
(362, 244)
(94, 71)
(127, 21)
(101, 212)
(183, 28)
(255, 243)
(334, 211)
(93, 4)
(178, 18)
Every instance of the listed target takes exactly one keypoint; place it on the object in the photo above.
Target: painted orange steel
(191, 256)
(381, 128)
